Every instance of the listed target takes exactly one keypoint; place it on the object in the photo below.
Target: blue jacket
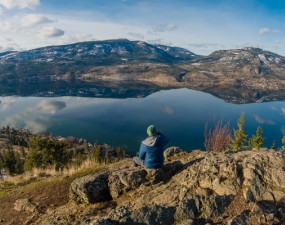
(151, 151)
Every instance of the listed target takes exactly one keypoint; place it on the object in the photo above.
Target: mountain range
(122, 68)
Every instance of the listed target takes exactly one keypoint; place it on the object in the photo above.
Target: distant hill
(123, 68)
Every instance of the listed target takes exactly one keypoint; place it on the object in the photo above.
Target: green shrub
(44, 152)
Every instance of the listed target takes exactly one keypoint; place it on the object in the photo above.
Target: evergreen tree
(12, 161)
(257, 141)
(240, 136)
(273, 146)
(44, 152)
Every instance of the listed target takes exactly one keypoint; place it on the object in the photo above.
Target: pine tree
(240, 136)
(257, 141)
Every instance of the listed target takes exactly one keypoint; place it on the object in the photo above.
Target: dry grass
(86, 167)
(52, 172)
(46, 191)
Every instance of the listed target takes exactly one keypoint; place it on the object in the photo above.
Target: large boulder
(129, 178)
(91, 188)
(126, 179)
(113, 183)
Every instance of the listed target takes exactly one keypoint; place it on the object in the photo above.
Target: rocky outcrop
(91, 188)
(192, 188)
(112, 184)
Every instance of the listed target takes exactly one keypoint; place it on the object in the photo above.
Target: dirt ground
(45, 194)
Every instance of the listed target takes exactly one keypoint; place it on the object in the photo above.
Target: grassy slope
(47, 193)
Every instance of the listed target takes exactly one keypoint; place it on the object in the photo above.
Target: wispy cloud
(7, 103)
(136, 35)
(21, 4)
(7, 44)
(166, 27)
(39, 124)
(73, 38)
(34, 118)
(168, 110)
(50, 32)
(159, 41)
(203, 45)
(282, 130)
(49, 107)
(179, 23)
(34, 20)
(266, 30)
(5, 26)
(261, 120)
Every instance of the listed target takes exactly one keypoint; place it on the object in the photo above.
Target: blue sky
(201, 26)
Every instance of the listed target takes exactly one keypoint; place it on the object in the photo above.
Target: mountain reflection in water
(180, 114)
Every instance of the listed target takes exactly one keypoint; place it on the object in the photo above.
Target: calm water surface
(180, 114)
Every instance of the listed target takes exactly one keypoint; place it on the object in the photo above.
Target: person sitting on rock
(151, 150)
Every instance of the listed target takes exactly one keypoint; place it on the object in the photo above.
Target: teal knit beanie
(151, 130)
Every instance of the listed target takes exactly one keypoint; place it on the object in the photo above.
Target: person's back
(151, 149)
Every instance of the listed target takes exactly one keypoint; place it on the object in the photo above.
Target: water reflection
(181, 114)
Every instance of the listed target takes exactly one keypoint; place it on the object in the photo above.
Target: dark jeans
(138, 161)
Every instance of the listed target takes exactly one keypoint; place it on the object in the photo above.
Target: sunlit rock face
(246, 187)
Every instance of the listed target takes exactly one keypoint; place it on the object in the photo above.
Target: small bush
(219, 139)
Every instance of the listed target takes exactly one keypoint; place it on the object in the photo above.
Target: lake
(180, 114)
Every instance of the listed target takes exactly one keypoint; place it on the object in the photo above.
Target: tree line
(221, 138)
(44, 151)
